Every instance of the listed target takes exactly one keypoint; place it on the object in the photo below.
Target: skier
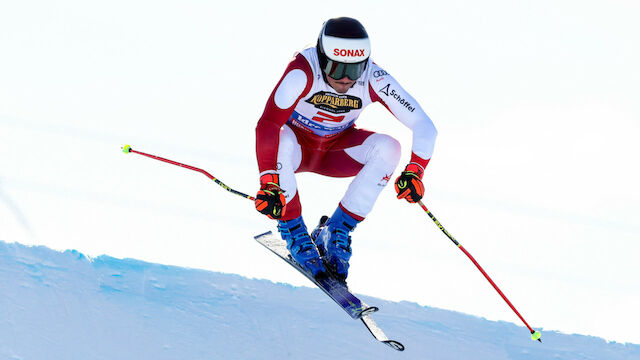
(308, 126)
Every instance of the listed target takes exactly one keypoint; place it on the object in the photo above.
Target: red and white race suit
(308, 126)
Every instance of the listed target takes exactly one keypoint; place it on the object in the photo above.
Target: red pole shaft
(129, 149)
(175, 163)
(495, 286)
(476, 264)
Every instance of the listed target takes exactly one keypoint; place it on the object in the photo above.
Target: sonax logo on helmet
(348, 52)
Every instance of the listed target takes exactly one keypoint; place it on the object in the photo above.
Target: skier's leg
(379, 155)
(291, 226)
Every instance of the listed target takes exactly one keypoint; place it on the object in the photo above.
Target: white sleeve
(404, 107)
(290, 88)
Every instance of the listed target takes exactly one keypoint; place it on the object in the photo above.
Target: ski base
(379, 335)
(335, 289)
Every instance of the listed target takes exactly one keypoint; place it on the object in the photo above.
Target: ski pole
(535, 335)
(127, 149)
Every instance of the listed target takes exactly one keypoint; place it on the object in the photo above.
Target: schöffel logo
(392, 93)
(379, 73)
(334, 103)
(348, 52)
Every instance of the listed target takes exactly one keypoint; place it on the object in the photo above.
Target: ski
(335, 289)
(379, 335)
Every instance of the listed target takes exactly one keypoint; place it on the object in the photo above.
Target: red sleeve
(418, 160)
(273, 118)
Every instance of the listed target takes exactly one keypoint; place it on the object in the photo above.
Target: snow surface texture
(57, 305)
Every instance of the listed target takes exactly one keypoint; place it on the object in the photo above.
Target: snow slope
(63, 305)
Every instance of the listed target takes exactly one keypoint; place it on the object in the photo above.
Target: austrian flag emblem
(385, 179)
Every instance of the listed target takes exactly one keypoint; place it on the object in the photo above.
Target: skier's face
(341, 86)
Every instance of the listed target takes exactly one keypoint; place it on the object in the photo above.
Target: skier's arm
(385, 89)
(294, 84)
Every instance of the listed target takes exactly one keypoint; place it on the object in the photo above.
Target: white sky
(535, 170)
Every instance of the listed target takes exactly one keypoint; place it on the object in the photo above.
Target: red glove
(270, 199)
(409, 184)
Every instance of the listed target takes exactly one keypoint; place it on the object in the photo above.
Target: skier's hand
(409, 184)
(270, 199)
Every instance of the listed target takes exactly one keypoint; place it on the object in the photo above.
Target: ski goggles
(337, 70)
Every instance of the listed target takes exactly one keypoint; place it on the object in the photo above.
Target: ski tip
(262, 235)
(368, 310)
(126, 149)
(536, 336)
(394, 345)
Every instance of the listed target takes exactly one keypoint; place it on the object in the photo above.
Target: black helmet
(343, 48)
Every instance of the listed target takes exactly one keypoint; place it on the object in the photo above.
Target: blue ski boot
(299, 243)
(334, 242)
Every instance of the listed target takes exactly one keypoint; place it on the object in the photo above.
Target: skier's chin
(341, 86)
(341, 89)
